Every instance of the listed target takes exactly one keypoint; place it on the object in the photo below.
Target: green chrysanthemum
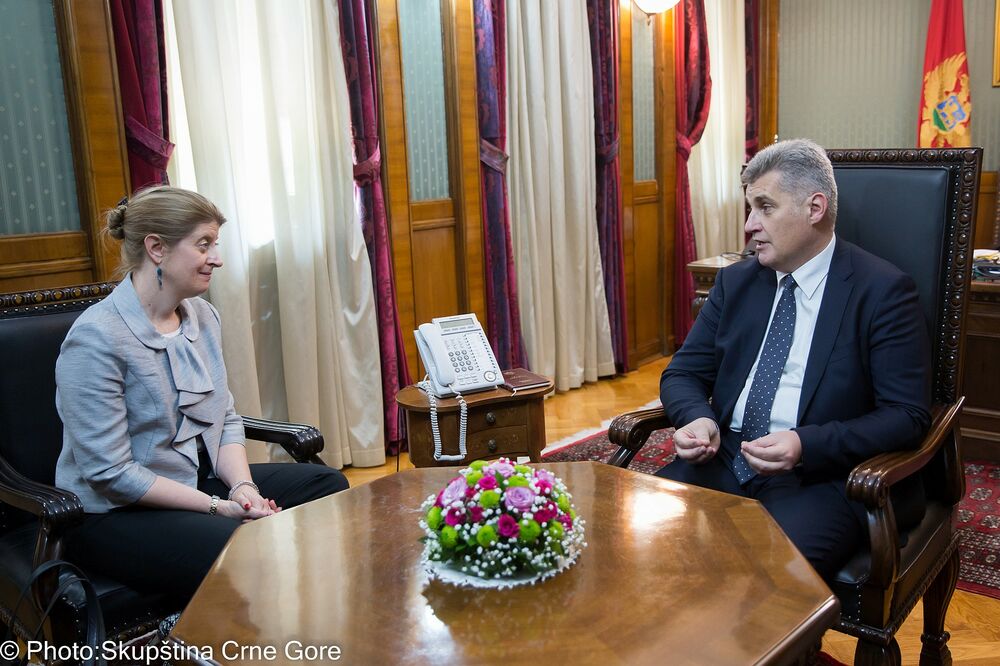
(449, 536)
(530, 529)
(489, 499)
(556, 530)
(486, 536)
(522, 469)
(478, 465)
(434, 517)
(562, 501)
(517, 481)
(473, 477)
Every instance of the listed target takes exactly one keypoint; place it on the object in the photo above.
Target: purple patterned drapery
(502, 312)
(693, 87)
(602, 17)
(137, 26)
(751, 17)
(359, 63)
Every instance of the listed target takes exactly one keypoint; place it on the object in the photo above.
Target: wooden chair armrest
(869, 482)
(630, 431)
(302, 442)
(55, 508)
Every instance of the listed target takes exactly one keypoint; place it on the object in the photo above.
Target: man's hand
(773, 453)
(698, 441)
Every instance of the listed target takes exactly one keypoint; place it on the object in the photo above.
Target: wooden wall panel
(434, 294)
(437, 245)
(648, 206)
(666, 162)
(96, 124)
(93, 107)
(987, 213)
(768, 101)
(648, 258)
(394, 169)
(627, 167)
(463, 112)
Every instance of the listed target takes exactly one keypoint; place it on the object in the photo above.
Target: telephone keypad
(465, 364)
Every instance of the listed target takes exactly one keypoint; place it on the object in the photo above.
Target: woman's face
(187, 266)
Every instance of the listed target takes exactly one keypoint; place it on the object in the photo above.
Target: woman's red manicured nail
(247, 506)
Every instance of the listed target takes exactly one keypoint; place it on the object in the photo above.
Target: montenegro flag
(945, 104)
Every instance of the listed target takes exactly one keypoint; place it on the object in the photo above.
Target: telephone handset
(458, 359)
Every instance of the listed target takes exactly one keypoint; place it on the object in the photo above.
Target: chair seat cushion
(924, 543)
(126, 612)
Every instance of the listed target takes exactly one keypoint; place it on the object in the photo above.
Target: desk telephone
(458, 359)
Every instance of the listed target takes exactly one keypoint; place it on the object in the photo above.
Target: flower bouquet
(498, 524)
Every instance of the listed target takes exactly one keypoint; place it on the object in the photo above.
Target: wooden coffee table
(672, 574)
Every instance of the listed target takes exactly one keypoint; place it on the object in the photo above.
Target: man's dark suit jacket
(866, 388)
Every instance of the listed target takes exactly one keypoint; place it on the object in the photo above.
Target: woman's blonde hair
(168, 212)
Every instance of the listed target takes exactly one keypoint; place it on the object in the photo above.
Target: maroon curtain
(502, 311)
(693, 86)
(142, 78)
(356, 29)
(602, 16)
(751, 17)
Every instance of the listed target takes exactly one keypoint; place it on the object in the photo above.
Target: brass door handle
(492, 445)
(491, 418)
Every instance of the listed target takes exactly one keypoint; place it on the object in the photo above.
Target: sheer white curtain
(552, 182)
(714, 167)
(260, 114)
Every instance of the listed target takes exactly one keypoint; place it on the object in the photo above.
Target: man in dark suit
(804, 362)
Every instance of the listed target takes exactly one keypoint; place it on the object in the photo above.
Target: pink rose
(566, 521)
(508, 527)
(519, 498)
(469, 492)
(544, 487)
(501, 467)
(476, 514)
(545, 475)
(488, 482)
(546, 513)
(455, 516)
(454, 491)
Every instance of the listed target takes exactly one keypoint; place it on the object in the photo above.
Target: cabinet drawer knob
(491, 418)
(492, 445)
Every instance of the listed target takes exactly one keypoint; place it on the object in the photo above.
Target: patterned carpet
(979, 523)
(978, 514)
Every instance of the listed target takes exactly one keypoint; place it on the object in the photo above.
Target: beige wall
(849, 72)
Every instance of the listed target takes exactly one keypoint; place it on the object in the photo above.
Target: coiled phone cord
(463, 422)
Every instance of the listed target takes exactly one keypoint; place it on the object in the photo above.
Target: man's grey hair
(804, 168)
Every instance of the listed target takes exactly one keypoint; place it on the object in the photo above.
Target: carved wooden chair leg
(935, 650)
(871, 653)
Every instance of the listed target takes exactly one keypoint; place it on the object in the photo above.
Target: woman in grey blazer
(152, 444)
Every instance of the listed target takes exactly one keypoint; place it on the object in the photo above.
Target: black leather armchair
(915, 208)
(34, 514)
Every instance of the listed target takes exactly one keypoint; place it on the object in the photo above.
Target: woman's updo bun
(116, 222)
(170, 213)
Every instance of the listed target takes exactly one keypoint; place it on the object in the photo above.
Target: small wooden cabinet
(499, 424)
(703, 273)
(981, 383)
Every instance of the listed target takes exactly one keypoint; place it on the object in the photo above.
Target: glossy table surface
(672, 574)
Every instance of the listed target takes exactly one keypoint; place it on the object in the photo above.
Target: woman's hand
(235, 510)
(249, 499)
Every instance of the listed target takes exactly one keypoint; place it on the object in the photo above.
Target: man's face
(782, 224)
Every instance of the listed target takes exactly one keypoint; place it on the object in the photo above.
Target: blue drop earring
(159, 277)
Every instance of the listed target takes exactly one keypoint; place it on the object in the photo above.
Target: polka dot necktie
(757, 415)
